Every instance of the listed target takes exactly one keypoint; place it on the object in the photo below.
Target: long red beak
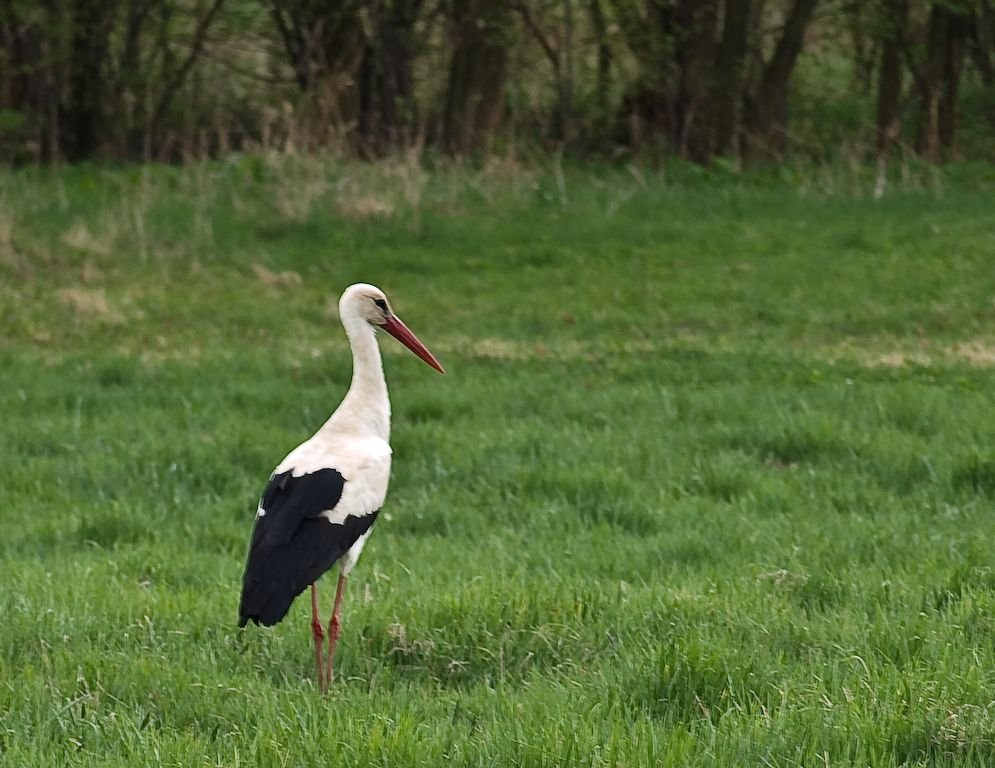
(403, 334)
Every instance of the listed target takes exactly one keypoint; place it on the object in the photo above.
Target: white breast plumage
(363, 461)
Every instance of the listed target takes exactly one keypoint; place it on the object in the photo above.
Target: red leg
(318, 633)
(334, 629)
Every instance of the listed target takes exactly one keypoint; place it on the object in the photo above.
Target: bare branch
(293, 45)
(551, 53)
(174, 83)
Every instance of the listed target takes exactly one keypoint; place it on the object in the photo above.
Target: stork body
(323, 498)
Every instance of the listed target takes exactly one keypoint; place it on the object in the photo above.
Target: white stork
(322, 500)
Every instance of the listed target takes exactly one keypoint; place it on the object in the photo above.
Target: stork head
(369, 304)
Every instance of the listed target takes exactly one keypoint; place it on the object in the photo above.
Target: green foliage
(710, 481)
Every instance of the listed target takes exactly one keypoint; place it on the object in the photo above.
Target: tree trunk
(730, 63)
(477, 70)
(929, 131)
(649, 106)
(984, 42)
(863, 45)
(769, 123)
(694, 55)
(565, 86)
(23, 90)
(386, 82)
(600, 27)
(958, 25)
(129, 84)
(83, 114)
(890, 76)
(947, 38)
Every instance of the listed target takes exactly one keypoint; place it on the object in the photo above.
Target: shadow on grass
(957, 740)
(693, 681)
(496, 638)
(966, 579)
(975, 474)
(108, 529)
(802, 446)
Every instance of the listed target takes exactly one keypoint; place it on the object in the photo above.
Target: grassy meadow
(711, 480)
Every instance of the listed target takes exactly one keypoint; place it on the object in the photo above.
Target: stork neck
(366, 407)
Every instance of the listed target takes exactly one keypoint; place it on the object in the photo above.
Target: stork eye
(381, 303)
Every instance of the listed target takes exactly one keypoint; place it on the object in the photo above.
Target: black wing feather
(292, 545)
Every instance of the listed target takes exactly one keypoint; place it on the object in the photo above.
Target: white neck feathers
(366, 406)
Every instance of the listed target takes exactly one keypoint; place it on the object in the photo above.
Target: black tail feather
(267, 602)
(277, 572)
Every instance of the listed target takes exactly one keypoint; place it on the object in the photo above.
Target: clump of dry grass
(296, 182)
(296, 195)
(10, 256)
(88, 303)
(271, 279)
(364, 206)
(6, 234)
(301, 186)
(81, 238)
(381, 191)
(979, 352)
(976, 351)
(897, 360)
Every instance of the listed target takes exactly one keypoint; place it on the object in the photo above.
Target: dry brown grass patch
(10, 255)
(296, 197)
(272, 279)
(892, 354)
(6, 234)
(896, 359)
(89, 303)
(365, 206)
(976, 351)
(492, 348)
(81, 238)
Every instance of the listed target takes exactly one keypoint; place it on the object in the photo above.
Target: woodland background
(752, 80)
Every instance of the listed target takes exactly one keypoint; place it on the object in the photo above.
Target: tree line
(749, 79)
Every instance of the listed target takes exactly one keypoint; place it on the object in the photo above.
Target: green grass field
(711, 480)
